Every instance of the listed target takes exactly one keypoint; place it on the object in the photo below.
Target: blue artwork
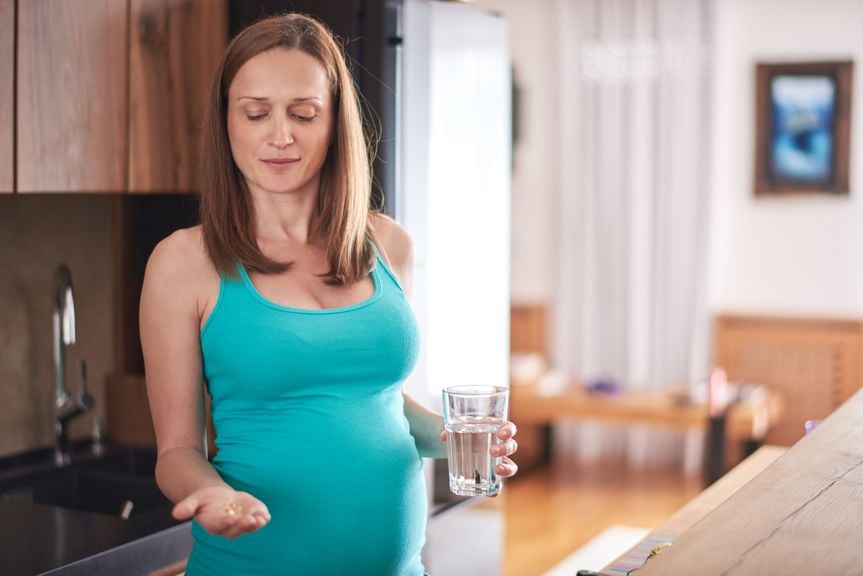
(803, 141)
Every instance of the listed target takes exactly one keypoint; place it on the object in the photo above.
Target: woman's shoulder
(182, 246)
(182, 256)
(393, 241)
(396, 247)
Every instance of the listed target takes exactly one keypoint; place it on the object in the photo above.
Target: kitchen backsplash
(38, 232)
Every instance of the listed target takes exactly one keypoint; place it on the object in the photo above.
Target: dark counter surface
(37, 537)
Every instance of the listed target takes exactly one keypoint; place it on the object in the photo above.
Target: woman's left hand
(505, 447)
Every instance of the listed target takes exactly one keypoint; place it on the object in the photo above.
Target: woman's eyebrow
(265, 99)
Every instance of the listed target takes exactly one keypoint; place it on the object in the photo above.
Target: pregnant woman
(289, 304)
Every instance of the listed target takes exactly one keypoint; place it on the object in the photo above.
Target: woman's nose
(282, 135)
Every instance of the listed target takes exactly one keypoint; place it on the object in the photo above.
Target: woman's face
(280, 121)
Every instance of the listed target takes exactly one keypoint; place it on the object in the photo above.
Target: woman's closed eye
(297, 117)
(303, 112)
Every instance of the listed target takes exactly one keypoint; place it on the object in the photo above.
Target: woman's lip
(279, 161)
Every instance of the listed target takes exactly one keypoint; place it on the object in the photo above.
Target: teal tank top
(309, 418)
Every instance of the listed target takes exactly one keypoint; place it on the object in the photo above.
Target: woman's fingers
(229, 526)
(506, 468)
(260, 519)
(240, 526)
(253, 506)
(507, 431)
(504, 448)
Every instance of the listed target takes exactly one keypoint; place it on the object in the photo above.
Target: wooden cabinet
(110, 93)
(7, 95)
(71, 95)
(175, 48)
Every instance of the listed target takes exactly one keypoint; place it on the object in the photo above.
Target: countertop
(39, 538)
(35, 538)
(802, 515)
(696, 509)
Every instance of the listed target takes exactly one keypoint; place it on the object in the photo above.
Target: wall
(796, 256)
(37, 232)
(534, 177)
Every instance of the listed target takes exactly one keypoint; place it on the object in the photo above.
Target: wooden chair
(815, 364)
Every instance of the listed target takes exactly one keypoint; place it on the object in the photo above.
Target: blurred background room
(652, 208)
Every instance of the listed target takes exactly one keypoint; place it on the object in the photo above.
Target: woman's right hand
(220, 510)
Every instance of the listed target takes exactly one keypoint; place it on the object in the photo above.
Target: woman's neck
(285, 217)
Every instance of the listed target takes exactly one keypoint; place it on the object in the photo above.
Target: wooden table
(803, 514)
(747, 423)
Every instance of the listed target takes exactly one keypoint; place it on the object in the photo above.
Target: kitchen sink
(119, 483)
(97, 491)
(132, 461)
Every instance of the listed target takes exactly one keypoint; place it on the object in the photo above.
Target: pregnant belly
(285, 469)
(336, 500)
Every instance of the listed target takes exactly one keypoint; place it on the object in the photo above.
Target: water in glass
(471, 465)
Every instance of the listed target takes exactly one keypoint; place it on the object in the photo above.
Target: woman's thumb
(185, 508)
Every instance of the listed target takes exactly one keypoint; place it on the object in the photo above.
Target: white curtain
(630, 301)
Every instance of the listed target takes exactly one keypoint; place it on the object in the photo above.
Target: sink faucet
(67, 407)
(64, 330)
(81, 404)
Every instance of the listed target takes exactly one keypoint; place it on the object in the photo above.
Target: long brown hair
(345, 184)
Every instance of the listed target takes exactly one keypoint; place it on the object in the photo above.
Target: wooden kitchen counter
(697, 508)
(803, 514)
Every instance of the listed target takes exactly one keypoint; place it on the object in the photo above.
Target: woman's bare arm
(179, 287)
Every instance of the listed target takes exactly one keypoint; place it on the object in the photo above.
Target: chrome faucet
(67, 407)
(64, 330)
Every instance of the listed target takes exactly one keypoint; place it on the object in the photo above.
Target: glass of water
(472, 416)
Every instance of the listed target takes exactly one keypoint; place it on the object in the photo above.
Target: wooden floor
(552, 511)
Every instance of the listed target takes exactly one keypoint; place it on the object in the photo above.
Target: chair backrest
(814, 363)
(528, 329)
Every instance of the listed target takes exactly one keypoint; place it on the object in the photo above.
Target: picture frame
(803, 127)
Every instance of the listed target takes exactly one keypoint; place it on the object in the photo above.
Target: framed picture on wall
(803, 127)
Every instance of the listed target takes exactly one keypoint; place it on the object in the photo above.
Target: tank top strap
(229, 285)
(383, 263)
